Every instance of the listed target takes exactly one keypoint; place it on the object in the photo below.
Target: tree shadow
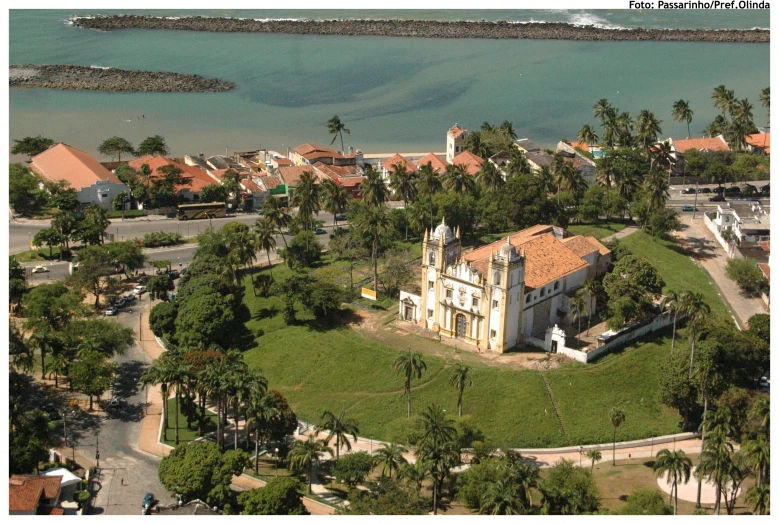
(128, 377)
(649, 464)
(266, 312)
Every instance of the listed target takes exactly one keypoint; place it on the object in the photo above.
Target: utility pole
(97, 448)
(695, 205)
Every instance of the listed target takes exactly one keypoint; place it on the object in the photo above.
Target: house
(526, 146)
(456, 138)
(759, 143)
(583, 165)
(471, 162)
(388, 166)
(594, 150)
(309, 154)
(749, 221)
(498, 295)
(253, 193)
(34, 495)
(715, 143)
(290, 175)
(94, 184)
(436, 162)
(538, 159)
(69, 483)
(197, 178)
(500, 159)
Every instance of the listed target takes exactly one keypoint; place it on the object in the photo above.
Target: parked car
(341, 217)
(703, 190)
(733, 190)
(689, 208)
(320, 231)
(717, 198)
(719, 190)
(259, 211)
(40, 269)
(139, 290)
(766, 189)
(115, 402)
(111, 311)
(148, 502)
(120, 302)
(174, 274)
(688, 191)
(129, 298)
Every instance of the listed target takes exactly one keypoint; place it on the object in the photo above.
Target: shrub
(161, 239)
(646, 501)
(746, 274)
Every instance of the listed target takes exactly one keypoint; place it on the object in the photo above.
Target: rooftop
(580, 246)
(25, 491)
(455, 131)
(311, 152)
(716, 143)
(471, 162)
(270, 181)
(398, 159)
(526, 145)
(291, 174)
(760, 141)
(198, 179)
(78, 168)
(437, 163)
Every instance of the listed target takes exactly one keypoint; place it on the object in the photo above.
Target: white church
(501, 294)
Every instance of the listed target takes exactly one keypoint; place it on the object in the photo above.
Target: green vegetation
(598, 230)
(188, 432)
(127, 213)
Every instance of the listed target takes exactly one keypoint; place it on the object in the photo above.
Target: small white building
(455, 142)
(748, 220)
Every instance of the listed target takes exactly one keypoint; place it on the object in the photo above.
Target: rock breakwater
(421, 29)
(110, 79)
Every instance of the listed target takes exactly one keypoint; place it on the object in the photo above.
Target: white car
(111, 311)
(139, 290)
(40, 269)
(129, 298)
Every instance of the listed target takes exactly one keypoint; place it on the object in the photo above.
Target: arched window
(497, 278)
(527, 299)
(557, 285)
(543, 291)
(431, 258)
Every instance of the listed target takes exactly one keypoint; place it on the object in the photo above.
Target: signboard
(368, 293)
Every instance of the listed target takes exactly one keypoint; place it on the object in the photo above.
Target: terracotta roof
(760, 141)
(291, 174)
(716, 143)
(438, 163)
(766, 269)
(312, 152)
(198, 178)
(78, 168)
(581, 145)
(456, 131)
(580, 246)
(271, 181)
(251, 186)
(281, 161)
(25, 491)
(399, 159)
(603, 250)
(219, 174)
(349, 181)
(333, 172)
(765, 245)
(471, 162)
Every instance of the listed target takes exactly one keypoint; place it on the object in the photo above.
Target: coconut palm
(708, 377)
(276, 215)
(682, 113)
(647, 128)
(339, 427)
(589, 289)
(490, 177)
(673, 303)
(723, 98)
(265, 238)
(459, 379)
(476, 145)
(375, 222)
(742, 112)
(518, 164)
(44, 340)
(697, 310)
(602, 109)
(403, 184)
(304, 456)
(214, 382)
(765, 101)
(587, 135)
(545, 179)
(500, 498)
(715, 462)
(457, 179)
(760, 499)
(617, 417)
(677, 467)
(337, 128)
(409, 365)
(334, 198)
(171, 372)
(761, 410)
(428, 184)
(507, 128)
(374, 191)
(594, 455)
(415, 473)
(438, 448)
(757, 453)
(390, 456)
(656, 189)
(260, 410)
(59, 366)
(578, 310)
(662, 153)
(306, 199)
(242, 386)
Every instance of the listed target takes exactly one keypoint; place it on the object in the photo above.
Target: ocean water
(394, 94)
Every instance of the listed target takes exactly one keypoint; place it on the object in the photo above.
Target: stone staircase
(554, 404)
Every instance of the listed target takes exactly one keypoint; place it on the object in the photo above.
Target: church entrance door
(460, 325)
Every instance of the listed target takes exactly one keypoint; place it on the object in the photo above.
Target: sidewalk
(148, 440)
(629, 230)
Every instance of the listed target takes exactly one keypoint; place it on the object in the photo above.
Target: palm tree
(339, 427)
(742, 112)
(500, 498)
(306, 198)
(673, 303)
(490, 177)
(476, 145)
(546, 179)
(214, 378)
(260, 410)
(765, 101)
(457, 179)
(437, 429)
(264, 238)
(391, 457)
(403, 183)
(590, 289)
(374, 222)
(459, 379)
(647, 128)
(715, 462)
(170, 371)
(761, 410)
(304, 456)
(697, 311)
(334, 198)
(59, 366)
(578, 310)
(518, 164)
(242, 386)
(415, 473)
(602, 109)
(438, 447)
(276, 215)
(682, 113)
(571, 179)
(428, 184)
(708, 377)
(409, 365)
(337, 128)
(617, 417)
(508, 129)
(758, 456)
(594, 455)
(44, 341)
(656, 187)
(677, 466)
(374, 191)
(663, 152)
(723, 98)
(760, 499)
(587, 135)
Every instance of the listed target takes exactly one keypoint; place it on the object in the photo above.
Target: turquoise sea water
(394, 94)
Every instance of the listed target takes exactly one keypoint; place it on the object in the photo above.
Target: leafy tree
(25, 453)
(204, 319)
(663, 221)
(646, 501)
(746, 274)
(373, 189)
(397, 272)
(92, 374)
(66, 223)
(760, 327)
(97, 334)
(677, 467)
(92, 226)
(114, 147)
(339, 427)
(24, 193)
(126, 255)
(385, 497)
(153, 145)
(409, 365)
(95, 266)
(62, 197)
(303, 251)
(323, 298)
(337, 128)
(280, 496)
(347, 246)
(304, 456)
(617, 417)
(17, 283)
(568, 490)
(51, 305)
(158, 287)
(31, 146)
(459, 379)
(162, 319)
(353, 469)
(760, 499)
(334, 198)
(213, 193)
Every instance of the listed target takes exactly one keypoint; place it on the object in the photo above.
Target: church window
(475, 302)
(431, 258)
(430, 284)
(493, 334)
(557, 285)
(429, 313)
(494, 304)
(497, 278)
(448, 293)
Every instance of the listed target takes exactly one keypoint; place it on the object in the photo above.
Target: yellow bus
(196, 211)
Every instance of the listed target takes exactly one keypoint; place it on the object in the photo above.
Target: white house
(748, 220)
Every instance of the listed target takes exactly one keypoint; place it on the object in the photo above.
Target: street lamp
(581, 449)
(277, 461)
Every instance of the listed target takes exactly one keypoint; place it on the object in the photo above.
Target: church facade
(501, 294)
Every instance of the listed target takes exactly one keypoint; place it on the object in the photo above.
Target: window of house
(429, 313)
(475, 302)
(430, 284)
(448, 293)
(527, 299)
(493, 334)
(543, 291)
(556, 285)
(494, 304)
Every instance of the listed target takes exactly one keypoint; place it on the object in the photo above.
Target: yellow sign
(368, 293)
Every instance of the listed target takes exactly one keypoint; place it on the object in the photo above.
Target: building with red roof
(456, 138)
(436, 162)
(195, 178)
(33, 494)
(759, 143)
(309, 154)
(715, 143)
(471, 162)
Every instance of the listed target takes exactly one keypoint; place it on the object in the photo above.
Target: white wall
(405, 296)
(102, 193)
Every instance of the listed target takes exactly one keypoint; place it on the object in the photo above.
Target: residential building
(34, 495)
(715, 143)
(309, 154)
(436, 162)
(501, 294)
(471, 162)
(253, 193)
(538, 159)
(388, 166)
(195, 177)
(583, 165)
(94, 184)
(526, 146)
(456, 138)
(759, 143)
(749, 221)
(500, 159)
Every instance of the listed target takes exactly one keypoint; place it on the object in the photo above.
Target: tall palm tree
(490, 177)
(415, 473)
(214, 378)
(500, 498)
(390, 456)
(571, 179)
(409, 365)
(708, 378)
(438, 447)
(624, 128)
(59, 366)
(334, 199)
(428, 184)
(242, 382)
(662, 153)
(602, 109)
(673, 303)
(758, 456)
(276, 215)
(715, 462)
(337, 128)
(339, 427)
(44, 340)
(459, 379)
(723, 98)
(260, 410)
(170, 370)
(617, 417)
(682, 113)
(404, 184)
(647, 128)
(546, 179)
(656, 186)
(265, 238)
(742, 112)
(697, 311)
(457, 179)
(436, 427)
(589, 289)
(761, 410)
(306, 199)
(578, 310)
(374, 222)
(507, 128)
(594, 455)
(677, 467)
(760, 499)
(587, 135)
(304, 456)
(765, 101)
(518, 164)
(373, 189)
(477, 146)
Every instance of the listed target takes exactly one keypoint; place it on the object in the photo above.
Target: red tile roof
(603, 250)
(581, 145)
(333, 172)
(760, 141)
(398, 159)
(580, 246)
(251, 186)
(25, 491)
(766, 269)
(78, 168)
(291, 174)
(271, 181)
(438, 163)
(349, 181)
(198, 178)
(219, 174)
(51, 511)
(471, 162)
(456, 131)
(765, 245)
(716, 143)
(281, 161)
(312, 152)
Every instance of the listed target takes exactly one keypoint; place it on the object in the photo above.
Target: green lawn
(185, 435)
(678, 270)
(598, 230)
(37, 256)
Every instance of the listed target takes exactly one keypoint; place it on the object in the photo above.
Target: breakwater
(110, 79)
(420, 29)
